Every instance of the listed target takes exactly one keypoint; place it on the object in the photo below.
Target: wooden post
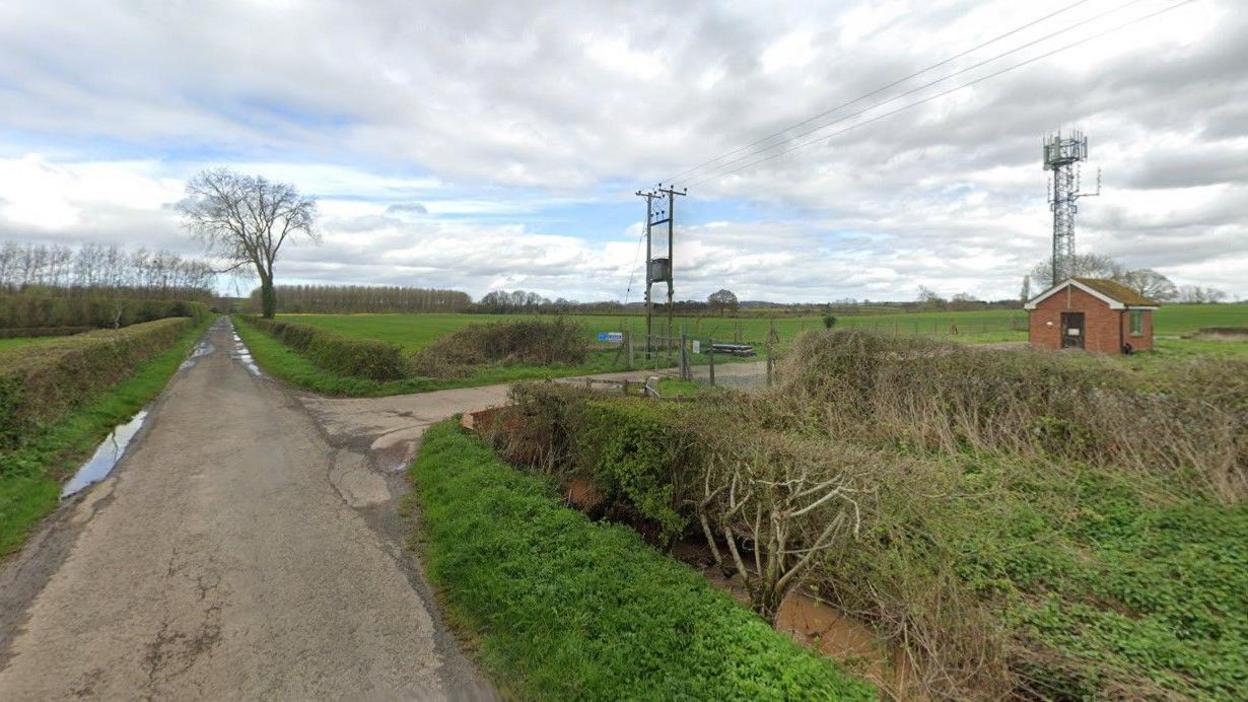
(684, 357)
(628, 343)
(711, 352)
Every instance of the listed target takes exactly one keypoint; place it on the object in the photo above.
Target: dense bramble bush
(542, 342)
(1190, 426)
(361, 358)
(39, 384)
(572, 609)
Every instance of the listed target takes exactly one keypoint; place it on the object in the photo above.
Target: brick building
(1092, 314)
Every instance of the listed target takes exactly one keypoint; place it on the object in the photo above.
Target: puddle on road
(242, 354)
(106, 456)
(203, 348)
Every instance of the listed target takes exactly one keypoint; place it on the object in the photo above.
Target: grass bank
(1037, 526)
(288, 365)
(566, 608)
(31, 474)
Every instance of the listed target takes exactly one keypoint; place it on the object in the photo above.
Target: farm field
(415, 331)
(25, 341)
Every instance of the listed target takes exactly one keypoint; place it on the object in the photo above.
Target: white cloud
(499, 120)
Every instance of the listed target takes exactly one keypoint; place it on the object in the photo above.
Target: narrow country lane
(239, 551)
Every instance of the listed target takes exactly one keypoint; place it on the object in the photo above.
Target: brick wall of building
(1105, 329)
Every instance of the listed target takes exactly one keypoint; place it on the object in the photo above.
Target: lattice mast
(1062, 155)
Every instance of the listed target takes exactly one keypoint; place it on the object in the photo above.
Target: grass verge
(567, 608)
(288, 365)
(31, 476)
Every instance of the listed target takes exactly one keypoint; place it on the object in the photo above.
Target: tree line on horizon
(342, 299)
(97, 269)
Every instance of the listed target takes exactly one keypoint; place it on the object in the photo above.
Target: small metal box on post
(659, 269)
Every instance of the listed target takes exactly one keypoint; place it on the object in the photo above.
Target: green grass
(26, 341)
(568, 609)
(287, 365)
(415, 331)
(31, 476)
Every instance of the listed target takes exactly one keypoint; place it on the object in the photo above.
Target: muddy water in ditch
(819, 626)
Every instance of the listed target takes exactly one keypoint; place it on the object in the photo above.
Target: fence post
(682, 358)
(628, 343)
(711, 352)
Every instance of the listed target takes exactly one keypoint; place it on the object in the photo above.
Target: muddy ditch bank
(807, 619)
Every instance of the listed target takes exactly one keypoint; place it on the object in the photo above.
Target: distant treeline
(98, 270)
(342, 299)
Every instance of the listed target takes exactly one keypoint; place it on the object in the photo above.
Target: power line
(879, 90)
(968, 84)
(937, 81)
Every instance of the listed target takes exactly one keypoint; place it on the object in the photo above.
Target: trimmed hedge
(27, 310)
(359, 358)
(35, 332)
(573, 609)
(40, 384)
(644, 456)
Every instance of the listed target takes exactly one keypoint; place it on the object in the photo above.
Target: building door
(1072, 330)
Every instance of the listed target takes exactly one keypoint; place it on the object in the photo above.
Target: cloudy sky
(486, 145)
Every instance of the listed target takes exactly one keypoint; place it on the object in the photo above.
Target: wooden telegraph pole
(659, 270)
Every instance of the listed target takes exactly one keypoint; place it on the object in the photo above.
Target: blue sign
(611, 337)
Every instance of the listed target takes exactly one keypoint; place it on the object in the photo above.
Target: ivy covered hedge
(359, 358)
(39, 384)
(573, 609)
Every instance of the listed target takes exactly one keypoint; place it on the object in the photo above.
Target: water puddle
(201, 349)
(243, 355)
(106, 456)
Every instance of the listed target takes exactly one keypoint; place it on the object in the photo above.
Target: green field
(25, 341)
(415, 331)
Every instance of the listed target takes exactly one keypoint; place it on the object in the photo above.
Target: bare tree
(1083, 266)
(245, 220)
(723, 301)
(1150, 284)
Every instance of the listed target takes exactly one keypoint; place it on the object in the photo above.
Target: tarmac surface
(250, 543)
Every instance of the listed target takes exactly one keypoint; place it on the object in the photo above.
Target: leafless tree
(722, 301)
(245, 220)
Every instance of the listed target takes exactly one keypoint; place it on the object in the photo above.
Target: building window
(1137, 322)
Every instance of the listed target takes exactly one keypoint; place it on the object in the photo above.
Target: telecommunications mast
(1062, 155)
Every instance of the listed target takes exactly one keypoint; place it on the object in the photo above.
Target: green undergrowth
(31, 475)
(288, 365)
(566, 608)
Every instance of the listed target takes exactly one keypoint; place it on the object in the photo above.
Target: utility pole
(1062, 156)
(659, 270)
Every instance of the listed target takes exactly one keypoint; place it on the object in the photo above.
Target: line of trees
(1144, 281)
(62, 269)
(342, 299)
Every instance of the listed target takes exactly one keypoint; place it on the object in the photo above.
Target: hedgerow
(572, 609)
(533, 341)
(360, 358)
(1025, 531)
(39, 384)
(39, 309)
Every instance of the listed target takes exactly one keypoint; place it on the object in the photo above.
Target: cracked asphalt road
(248, 546)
